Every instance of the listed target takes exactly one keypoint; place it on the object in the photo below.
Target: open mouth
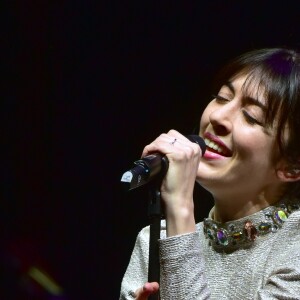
(217, 148)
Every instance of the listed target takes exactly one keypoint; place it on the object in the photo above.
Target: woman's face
(240, 148)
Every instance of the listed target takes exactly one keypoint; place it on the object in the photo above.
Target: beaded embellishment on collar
(243, 232)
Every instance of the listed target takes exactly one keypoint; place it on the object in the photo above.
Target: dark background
(87, 84)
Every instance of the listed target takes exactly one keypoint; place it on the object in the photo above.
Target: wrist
(180, 221)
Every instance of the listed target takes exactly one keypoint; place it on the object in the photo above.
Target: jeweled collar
(243, 232)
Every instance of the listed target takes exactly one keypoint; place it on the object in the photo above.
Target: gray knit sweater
(191, 268)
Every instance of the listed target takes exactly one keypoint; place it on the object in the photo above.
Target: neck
(224, 212)
(238, 206)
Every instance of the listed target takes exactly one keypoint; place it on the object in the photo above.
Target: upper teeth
(213, 145)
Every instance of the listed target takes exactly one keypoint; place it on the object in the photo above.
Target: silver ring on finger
(173, 142)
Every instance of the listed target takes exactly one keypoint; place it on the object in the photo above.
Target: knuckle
(172, 131)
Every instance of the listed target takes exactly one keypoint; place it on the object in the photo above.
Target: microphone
(152, 167)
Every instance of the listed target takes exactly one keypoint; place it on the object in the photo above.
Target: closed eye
(220, 99)
(251, 120)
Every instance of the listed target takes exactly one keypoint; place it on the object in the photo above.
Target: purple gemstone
(222, 237)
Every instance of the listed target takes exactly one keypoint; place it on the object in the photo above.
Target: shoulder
(293, 221)
(282, 267)
(290, 231)
(286, 244)
(143, 236)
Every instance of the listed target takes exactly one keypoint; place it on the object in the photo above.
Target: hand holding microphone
(154, 165)
(173, 160)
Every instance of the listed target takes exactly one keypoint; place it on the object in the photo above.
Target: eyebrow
(247, 99)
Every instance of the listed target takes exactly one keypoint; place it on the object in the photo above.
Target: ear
(288, 173)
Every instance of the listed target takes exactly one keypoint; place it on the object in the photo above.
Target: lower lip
(213, 155)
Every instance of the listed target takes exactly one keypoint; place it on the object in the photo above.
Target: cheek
(204, 121)
(257, 146)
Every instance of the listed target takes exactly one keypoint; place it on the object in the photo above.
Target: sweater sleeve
(182, 268)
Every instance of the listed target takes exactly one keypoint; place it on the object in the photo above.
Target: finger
(148, 289)
(161, 144)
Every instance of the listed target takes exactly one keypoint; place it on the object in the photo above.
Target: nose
(221, 119)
